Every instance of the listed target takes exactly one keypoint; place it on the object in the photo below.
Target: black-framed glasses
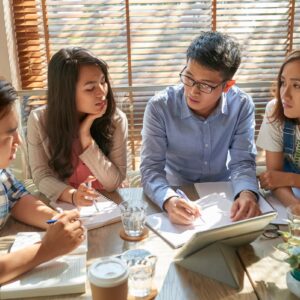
(271, 231)
(201, 86)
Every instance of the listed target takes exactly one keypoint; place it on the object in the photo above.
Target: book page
(224, 188)
(25, 239)
(102, 212)
(64, 275)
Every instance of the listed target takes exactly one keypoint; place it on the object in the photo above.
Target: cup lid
(136, 256)
(108, 272)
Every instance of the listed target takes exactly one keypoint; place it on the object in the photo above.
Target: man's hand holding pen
(181, 211)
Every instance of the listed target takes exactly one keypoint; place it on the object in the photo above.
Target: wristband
(73, 198)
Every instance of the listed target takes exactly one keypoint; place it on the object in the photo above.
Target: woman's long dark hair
(61, 124)
(278, 113)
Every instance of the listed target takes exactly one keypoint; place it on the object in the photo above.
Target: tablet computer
(234, 234)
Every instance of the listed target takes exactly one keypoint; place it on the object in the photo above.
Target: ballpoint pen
(185, 197)
(89, 185)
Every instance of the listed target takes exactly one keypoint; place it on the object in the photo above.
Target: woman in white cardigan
(80, 134)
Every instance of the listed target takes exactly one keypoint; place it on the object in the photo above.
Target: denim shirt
(181, 147)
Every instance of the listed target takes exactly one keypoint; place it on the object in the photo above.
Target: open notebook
(215, 201)
(108, 212)
(63, 275)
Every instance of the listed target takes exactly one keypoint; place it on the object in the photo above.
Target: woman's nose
(286, 92)
(100, 90)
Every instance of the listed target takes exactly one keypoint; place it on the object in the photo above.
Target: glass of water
(141, 264)
(293, 214)
(133, 215)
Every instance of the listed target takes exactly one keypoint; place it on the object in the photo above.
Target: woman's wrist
(73, 197)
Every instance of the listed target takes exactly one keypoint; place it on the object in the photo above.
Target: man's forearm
(31, 211)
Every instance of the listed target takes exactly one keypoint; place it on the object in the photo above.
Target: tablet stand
(219, 260)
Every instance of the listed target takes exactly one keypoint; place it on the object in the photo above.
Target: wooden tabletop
(174, 282)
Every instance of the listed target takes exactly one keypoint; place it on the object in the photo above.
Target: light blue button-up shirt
(181, 147)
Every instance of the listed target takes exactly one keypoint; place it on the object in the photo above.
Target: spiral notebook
(105, 213)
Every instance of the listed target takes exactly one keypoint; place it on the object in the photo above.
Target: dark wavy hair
(278, 113)
(216, 51)
(61, 124)
(8, 96)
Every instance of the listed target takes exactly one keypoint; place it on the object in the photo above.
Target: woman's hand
(85, 126)
(271, 180)
(85, 194)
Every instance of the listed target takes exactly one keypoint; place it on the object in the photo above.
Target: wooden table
(174, 282)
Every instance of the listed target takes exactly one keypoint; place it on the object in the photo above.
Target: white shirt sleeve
(270, 135)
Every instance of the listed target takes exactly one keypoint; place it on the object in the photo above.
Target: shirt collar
(222, 107)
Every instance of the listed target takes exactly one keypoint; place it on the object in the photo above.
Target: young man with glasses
(201, 131)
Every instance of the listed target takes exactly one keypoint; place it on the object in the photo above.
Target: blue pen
(51, 221)
(185, 197)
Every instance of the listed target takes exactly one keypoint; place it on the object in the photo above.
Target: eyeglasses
(201, 86)
(271, 231)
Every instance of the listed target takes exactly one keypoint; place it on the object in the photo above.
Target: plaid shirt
(11, 190)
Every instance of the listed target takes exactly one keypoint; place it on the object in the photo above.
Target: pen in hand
(89, 185)
(185, 197)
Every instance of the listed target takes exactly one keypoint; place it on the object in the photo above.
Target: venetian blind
(30, 41)
(261, 27)
(144, 42)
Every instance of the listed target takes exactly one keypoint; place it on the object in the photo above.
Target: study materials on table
(208, 245)
(63, 275)
(103, 212)
(215, 202)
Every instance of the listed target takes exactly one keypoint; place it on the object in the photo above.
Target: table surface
(264, 277)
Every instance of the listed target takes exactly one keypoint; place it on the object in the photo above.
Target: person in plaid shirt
(62, 236)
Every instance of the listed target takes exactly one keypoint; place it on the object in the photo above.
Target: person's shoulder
(6, 176)
(167, 96)
(119, 116)
(236, 93)
(38, 113)
(270, 107)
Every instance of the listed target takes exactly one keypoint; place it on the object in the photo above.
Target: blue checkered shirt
(11, 190)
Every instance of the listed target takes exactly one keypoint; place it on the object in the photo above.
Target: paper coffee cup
(109, 279)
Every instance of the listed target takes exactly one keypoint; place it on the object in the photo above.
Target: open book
(63, 275)
(107, 212)
(215, 202)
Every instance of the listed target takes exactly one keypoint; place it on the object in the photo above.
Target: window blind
(30, 41)
(144, 43)
(262, 28)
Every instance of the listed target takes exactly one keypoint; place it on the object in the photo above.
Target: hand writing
(180, 211)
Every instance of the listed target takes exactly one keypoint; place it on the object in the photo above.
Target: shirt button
(205, 162)
(206, 145)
